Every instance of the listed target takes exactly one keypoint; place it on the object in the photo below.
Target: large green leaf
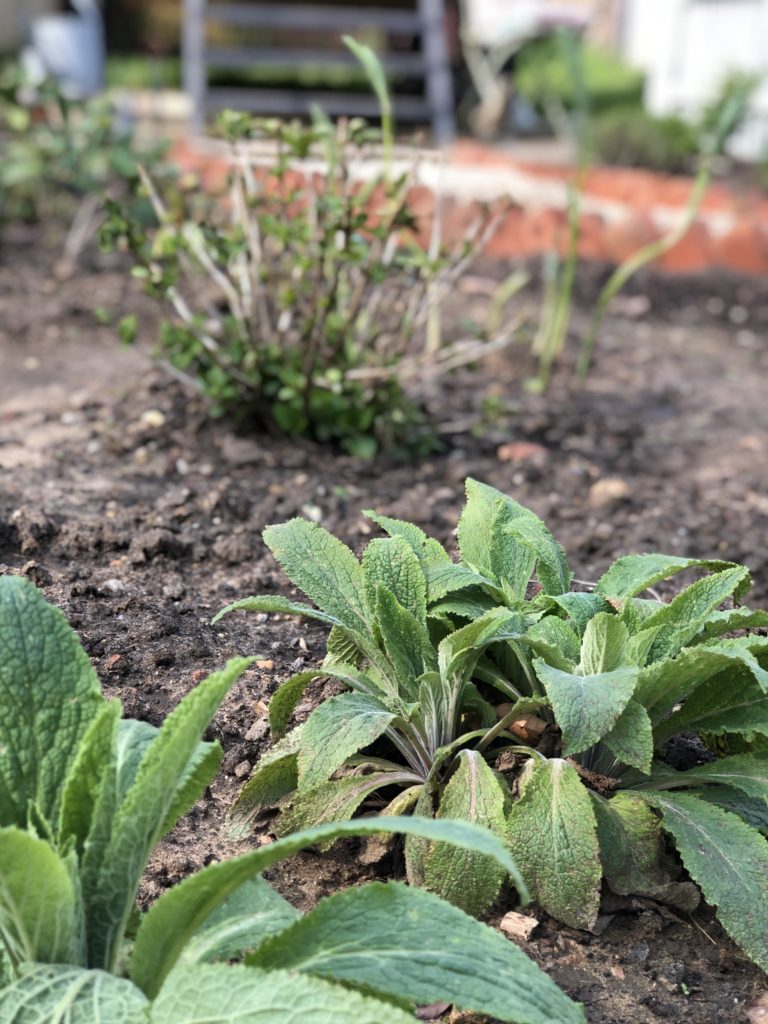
(633, 574)
(49, 695)
(180, 912)
(407, 943)
(586, 707)
(458, 651)
(485, 544)
(324, 568)
(72, 995)
(632, 851)
(251, 914)
(338, 799)
(556, 642)
(392, 564)
(446, 578)
(275, 775)
(631, 738)
(754, 810)
(289, 693)
(579, 606)
(552, 833)
(467, 879)
(142, 815)
(728, 859)
(603, 644)
(747, 772)
(39, 902)
(335, 730)
(219, 994)
(406, 642)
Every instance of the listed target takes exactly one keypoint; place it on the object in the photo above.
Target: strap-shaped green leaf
(231, 994)
(631, 851)
(406, 643)
(392, 564)
(485, 544)
(556, 642)
(747, 772)
(142, 815)
(324, 568)
(458, 651)
(448, 578)
(276, 604)
(469, 880)
(753, 810)
(289, 693)
(632, 574)
(579, 606)
(178, 914)
(728, 859)
(72, 995)
(728, 702)
(336, 729)
(49, 694)
(586, 707)
(336, 800)
(408, 944)
(39, 902)
(552, 833)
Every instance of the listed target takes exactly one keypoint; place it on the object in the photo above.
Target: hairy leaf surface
(57, 994)
(632, 574)
(337, 728)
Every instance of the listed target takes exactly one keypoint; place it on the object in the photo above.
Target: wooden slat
(297, 104)
(306, 16)
(243, 57)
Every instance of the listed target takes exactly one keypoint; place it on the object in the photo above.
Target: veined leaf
(289, 693)
(586, 707)
(554, 641)
(336, 729)
(603, 644)
(728, 701)
(445, 578)
(631, 850)
(140, 819)
(408, 944)
(342, 649)
(49, 695)
(579, 606)
(231, 994)
(279, 605)
(406, 643)
(324, 568)
(469, 880)
(734, 618)
(275, 775)
(180, 912)
(632, 574)
(485, 544)
(392, 564)
(457, 652)
(747, 772)
(39, 903)
(753, 810)
(250, 915)
(427, 549)
(552, 833)
(56, 994)
(728, 859)
(336, 800)
(631, 738)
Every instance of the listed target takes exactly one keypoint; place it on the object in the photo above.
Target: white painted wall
(686, 47)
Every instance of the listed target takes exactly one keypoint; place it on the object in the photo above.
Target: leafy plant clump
(304, 302)
(490, 689)
(84, 798)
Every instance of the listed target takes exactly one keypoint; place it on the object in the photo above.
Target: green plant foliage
(58, 151)
(497, 654)
(86, 796)
(632, 137)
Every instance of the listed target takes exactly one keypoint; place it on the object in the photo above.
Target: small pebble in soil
(638, 954)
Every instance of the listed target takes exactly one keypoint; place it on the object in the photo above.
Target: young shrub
(85, 796)
(594, 683)
(303, 301)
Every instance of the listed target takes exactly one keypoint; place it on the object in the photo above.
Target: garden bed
(141, 517)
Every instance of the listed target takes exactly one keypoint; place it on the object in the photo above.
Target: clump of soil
(140, 517)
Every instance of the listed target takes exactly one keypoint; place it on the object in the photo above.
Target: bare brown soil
(140, 517)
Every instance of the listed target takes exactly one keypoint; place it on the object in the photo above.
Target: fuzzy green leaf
(251, 914)
(469, 880)
(324, 568)
(556, 642)
(392, 564)
(631, 738)
(458, 651)
(586, 707)
(603, 644)
(579, 606)
(58, 994)
(632, 574)
(142, 815)
(728, 859)
(448, 578)
(734, 618)
(753, 810)
(336, 800)
(337, 728)
(632, 850)
(427, 549)
(552, 833)
(39, 902)
(275, 775)
(227, 994)
(747, 772)
(406, 643)
(485, 544)
(408, 944)
(180, 912)
(49, 695)
(279, 605)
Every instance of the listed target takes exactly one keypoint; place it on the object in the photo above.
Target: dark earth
(140, 517)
